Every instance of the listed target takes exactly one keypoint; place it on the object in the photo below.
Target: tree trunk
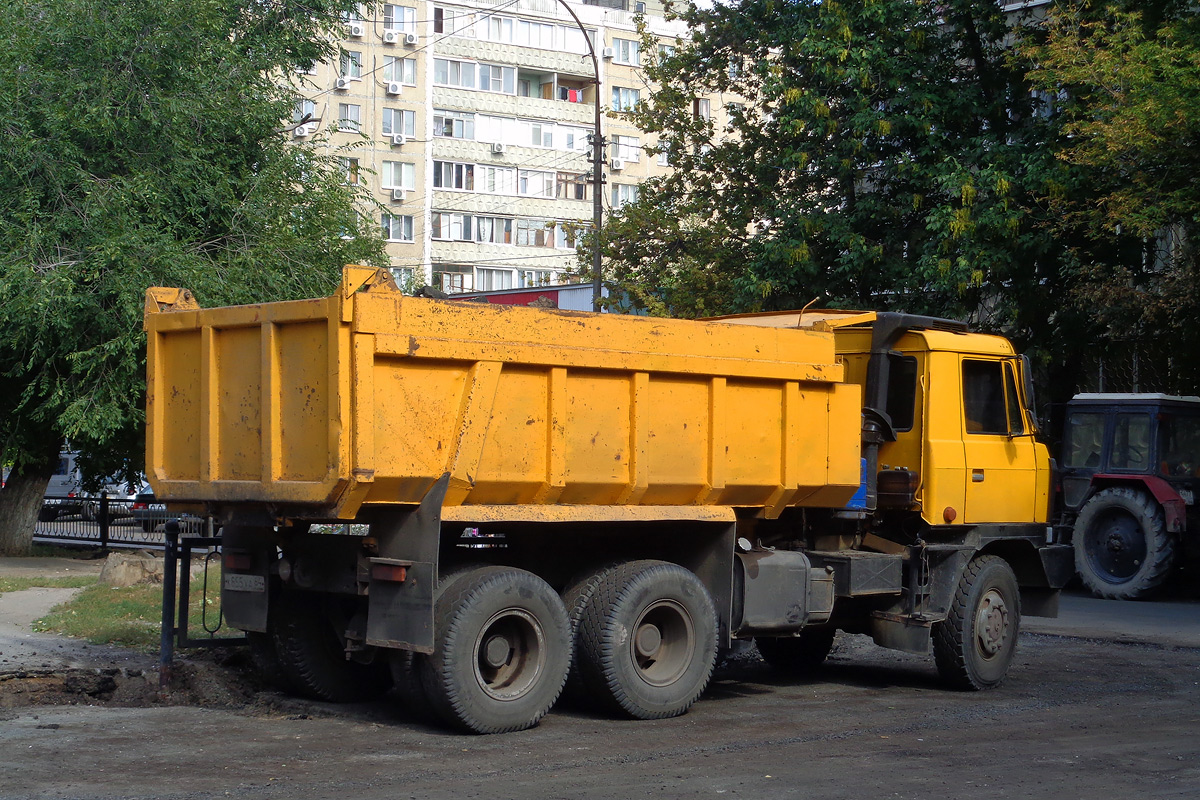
(20, 501)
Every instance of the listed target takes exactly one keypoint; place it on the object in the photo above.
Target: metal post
(166, 648)
(597, 168)
(103, 520)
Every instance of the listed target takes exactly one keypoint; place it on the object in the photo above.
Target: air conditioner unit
(616, 164)
(498, 148)
(395, 87)
(300, 131)
(399, 194)
(342, 84)
(391, 37)
(355, 30)
(399, 139)
(607, 53)
(410, 38)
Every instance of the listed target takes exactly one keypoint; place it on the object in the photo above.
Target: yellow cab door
(999, 447)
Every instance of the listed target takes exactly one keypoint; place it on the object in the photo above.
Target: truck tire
(266, 661)
(407, 667)
(1122, 547)
(648, 640)
(797, 654)
(502, 650)
(577, 597)
(974, 646)
(312, 658)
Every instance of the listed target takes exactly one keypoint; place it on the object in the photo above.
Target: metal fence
(106, 522)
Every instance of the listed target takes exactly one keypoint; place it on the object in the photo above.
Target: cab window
(1131, 443)
(1085, 441)
(902, 391)
(990, 398)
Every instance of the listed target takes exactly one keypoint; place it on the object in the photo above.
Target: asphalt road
(1081, 716)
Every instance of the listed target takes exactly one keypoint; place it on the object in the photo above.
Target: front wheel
(503, 647)
(975, 644)
(1122, 548)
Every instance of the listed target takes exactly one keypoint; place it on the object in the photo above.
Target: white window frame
(456, 72)
(350, 117)
(625, 98)
(627, 51)
(350, 64)
(462, 123)
(408, 121)
(493, 279)
(407, 171)
(404, 21)
(400, 70)
(628, 148)
(390, 223)
(461, 175)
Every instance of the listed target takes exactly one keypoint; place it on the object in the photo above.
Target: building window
(349, 117)
(493, 78)
(439, 20)
(400, 18)
(405, 277)
(571, 186)
(350, 170)
(451, 175)
(535, 184)
(400, 70)
(453, 73)
(627, 51)
(576, 139)
(305, 109)
(488, 279)
(397, 120)
(498, 29)
(399, 175)
(535, 34)
(664, 158)
(350, 64)
(623, 193)
(493, 230)
(625, 99)
(665, 51)
(528, 278)
(628, 148)
(453, 125)
(701, 109)
(450, 227)
(497, 180)
(397, 228)
(537, 134)
(564, 236)
(534, 233)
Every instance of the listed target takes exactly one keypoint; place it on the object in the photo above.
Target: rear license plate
(245, 583)
(1188, 496)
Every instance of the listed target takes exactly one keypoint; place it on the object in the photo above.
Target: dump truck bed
(317, 408)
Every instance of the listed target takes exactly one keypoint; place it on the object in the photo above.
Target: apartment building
(471, 123)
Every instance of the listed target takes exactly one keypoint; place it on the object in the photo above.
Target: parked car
(151, 514)
(64, 491)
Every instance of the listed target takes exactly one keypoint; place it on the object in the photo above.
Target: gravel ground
(1082, 715)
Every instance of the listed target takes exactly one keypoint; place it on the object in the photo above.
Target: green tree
(145, 144)
(878, 153)
(1128, 80)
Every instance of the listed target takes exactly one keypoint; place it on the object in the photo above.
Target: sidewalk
(1169, 623)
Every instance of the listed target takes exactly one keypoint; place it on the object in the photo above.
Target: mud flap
(404, 576)
(245, 593)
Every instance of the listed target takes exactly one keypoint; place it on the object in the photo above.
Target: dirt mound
(224, 682)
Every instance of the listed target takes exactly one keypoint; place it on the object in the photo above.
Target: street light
(597, 166)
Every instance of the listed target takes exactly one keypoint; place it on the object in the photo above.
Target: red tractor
(1130, 468)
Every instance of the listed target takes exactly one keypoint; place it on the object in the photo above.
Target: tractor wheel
(1122, 547)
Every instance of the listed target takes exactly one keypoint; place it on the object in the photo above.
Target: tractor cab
(1130, 473)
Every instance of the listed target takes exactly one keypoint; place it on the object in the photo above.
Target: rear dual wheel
(502, 652)
(646, 639)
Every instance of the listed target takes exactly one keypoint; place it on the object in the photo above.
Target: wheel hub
(649, 640)
(663, 643)
(496, 651)
(510, 654)
(1116, 547)
(991, 623)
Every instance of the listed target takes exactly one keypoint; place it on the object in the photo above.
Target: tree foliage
(1128, 79)
(145, 144)
(882, 153)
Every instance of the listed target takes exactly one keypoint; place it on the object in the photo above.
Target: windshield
(1180, 444)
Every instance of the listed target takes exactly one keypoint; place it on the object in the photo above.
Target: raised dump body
(539, 493)
(320, 407)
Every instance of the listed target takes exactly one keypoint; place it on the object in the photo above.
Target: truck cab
(1130, 472)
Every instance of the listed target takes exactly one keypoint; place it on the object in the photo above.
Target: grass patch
(131, 616)
(68, 582)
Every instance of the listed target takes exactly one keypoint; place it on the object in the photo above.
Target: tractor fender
(1174, 507)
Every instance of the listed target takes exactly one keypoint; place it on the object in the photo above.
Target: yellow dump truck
(483, 504)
